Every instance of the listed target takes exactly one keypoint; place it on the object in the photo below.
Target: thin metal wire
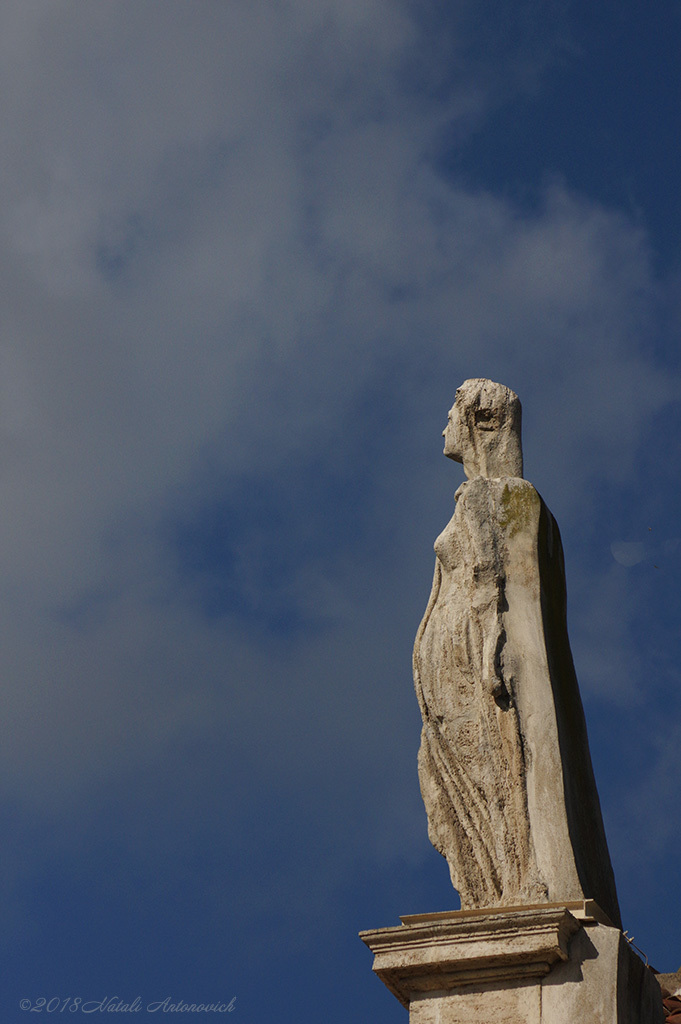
(630, 940)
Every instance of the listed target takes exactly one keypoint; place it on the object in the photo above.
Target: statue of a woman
(504, 763)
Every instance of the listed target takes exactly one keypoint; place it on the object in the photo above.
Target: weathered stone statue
(504, 763)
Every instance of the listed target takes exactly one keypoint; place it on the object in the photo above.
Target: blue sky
(249, 252)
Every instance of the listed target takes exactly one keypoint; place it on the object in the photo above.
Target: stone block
(547, 964)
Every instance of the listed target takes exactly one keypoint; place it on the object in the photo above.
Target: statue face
(454, 435)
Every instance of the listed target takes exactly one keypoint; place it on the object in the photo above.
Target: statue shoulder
(522, 512)
(508, 509)
(519, 505)
(515, 502)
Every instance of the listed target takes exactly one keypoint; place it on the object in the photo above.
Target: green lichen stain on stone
(519, 505)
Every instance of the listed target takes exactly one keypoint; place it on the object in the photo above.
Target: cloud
(238, 295)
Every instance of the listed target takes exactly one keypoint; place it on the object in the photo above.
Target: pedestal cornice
(440, 952)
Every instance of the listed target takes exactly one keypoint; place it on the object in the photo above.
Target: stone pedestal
(554, 963)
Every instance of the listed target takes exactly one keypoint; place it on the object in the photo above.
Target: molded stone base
(554, 963)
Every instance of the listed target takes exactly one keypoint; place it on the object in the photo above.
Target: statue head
(483, 430)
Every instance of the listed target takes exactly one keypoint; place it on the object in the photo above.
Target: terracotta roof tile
(672, 1007)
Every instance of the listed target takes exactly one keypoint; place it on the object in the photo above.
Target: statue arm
(434, 593)
(492, 656)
